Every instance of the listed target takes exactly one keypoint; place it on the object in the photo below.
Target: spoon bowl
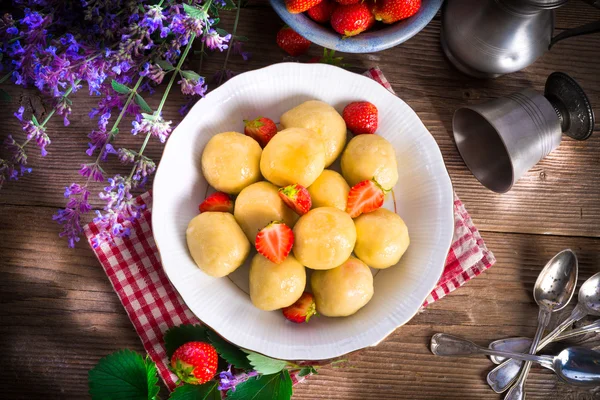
(556, 283)
(589, 295)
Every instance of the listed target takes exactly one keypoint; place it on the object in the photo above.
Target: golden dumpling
(368, 157)
(381, 238)
(294, 155)
(274, 286)
(231, 161)
(217, 243)
(258, 205)
(324, 238)
(323, 119)
(329, 190)
(344, 290)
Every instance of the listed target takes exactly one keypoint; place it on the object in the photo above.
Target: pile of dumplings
(338, 249)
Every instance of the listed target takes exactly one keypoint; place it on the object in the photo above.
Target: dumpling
(323, 119)
(217, 243)
(258, 205)
(329, 190)
(274, 286)
(294, 155)
(324, 238)
(344, 290)
(381, 238)
(231, 161)
(368, 157)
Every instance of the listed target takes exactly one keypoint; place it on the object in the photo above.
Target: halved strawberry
(364, 197)
(296, 197)
(275, 241)
(217, 201)
(302, 309)
(260, 129)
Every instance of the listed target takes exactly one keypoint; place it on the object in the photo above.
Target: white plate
(424, 198)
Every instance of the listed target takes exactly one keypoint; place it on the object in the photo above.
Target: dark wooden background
(59, 315)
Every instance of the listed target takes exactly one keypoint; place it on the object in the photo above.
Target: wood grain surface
(59, 314)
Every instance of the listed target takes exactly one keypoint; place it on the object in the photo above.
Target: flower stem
(235, 25)
(5, 77)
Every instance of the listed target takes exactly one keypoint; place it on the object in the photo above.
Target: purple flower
(154, 72)
(192, 86)
(154, 124)
(63, 107)
(143, 168)
(13, 30)
(126, 156)
(153, 19)
(237, 49)
(70, 216)
(213, 41)
(92, 170)
(223, 75)
(228, 381)
(17, 154)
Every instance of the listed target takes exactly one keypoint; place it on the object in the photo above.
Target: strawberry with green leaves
(296, 197)
(350, 20)
(217, 201)
(299, 6)
(302, 310)
(275, 241)
(195, 362)
(390, 11)
(364, 197)
(361, 117)
(291, 42)
(260, 129)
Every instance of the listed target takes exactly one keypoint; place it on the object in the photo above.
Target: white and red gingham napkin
(153, 305)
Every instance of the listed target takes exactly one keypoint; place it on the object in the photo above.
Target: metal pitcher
(489, 38)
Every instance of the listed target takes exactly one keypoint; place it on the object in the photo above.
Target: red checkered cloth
(153, 305)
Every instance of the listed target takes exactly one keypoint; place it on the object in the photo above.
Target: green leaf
(228, 5)
(142, 103)
(221, 32)
(124, 375)
(307, 371)
(34, 120)
(241, 38)
(149, 117)
(265, 365)
(216, 21)
(230, 353)
(208, 391)
(265, 387)
(4, 96)
(213, 10)
(194, 12)
(180, 335)
(119, 87)
(165, 65)
(190, 75)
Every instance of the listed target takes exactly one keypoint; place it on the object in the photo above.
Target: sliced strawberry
(296, 197)
(260, 129)
(302, 309)
(275, 241)
(364, 197)
(217, 201)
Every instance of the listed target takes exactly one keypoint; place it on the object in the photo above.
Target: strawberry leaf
(265, 365)
(264, 387)
(230, 353)
(124, 375)
(179, 335)
(207, 391)
(119, 87)
(142, 103)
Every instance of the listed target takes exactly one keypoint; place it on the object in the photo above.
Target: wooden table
(59, 314)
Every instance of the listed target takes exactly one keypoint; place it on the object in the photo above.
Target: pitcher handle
(592, 27)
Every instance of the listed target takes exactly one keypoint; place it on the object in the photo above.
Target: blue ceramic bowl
(381, 38)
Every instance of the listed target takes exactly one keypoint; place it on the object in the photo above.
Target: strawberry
(217, 201)
(275, 241)
(195, 362)
(291, 42)
(302, 309)
(298, 6)
(347, 2)
(322, 11)
(296, 197)
(390, 11)
(260, 129)
(352, 19)
(364, 197)
(360, 117)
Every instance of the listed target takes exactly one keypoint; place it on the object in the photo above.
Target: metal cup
(502, 139)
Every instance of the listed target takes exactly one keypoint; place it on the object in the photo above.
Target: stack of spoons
(553, 290)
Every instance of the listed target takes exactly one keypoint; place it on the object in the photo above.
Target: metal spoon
(575, 365)
(501, 377)
(552, 292)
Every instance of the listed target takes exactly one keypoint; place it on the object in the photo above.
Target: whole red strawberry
(361, 117)
(302, 309)
(364, 197)
(296, 197)
(260, 129)
(352, 19)
(275, 241)
(298, 6)
(291, 42)
(347, 2)
(217, 201)
(390, 11)
(322, 11)
(195, 362)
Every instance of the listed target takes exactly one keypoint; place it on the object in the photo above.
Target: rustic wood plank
(60, 315)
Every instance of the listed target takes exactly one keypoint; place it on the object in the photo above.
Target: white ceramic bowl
(424, 199)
